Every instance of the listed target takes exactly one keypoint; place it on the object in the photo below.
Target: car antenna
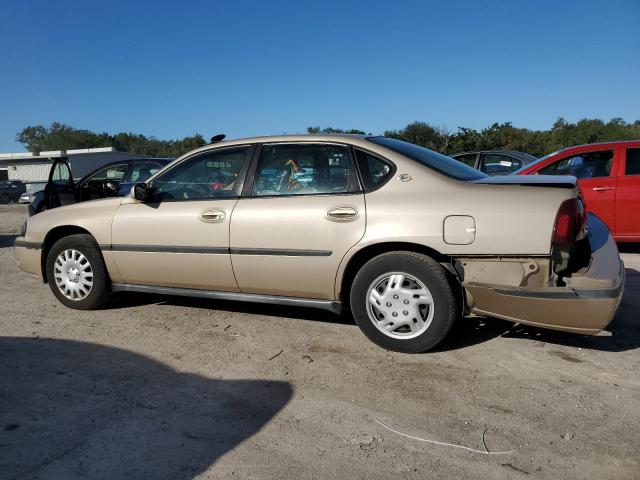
(217, 138)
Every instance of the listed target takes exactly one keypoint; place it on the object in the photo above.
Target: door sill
(329, 305)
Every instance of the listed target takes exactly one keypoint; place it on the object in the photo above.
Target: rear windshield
(433, 160)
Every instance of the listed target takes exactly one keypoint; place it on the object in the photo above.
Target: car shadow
(79, 410)
(126, 299)
(7, 240)
(623, 332)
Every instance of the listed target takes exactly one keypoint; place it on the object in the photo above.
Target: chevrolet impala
(405, 239)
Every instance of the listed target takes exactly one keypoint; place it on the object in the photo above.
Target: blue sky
(171, 69)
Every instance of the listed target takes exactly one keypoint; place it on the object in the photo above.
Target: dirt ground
(164, 387)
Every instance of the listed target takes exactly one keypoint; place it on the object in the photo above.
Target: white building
(29, 167)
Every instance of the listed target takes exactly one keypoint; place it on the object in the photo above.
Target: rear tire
(404, 301)
(4, 199)
(76, 273)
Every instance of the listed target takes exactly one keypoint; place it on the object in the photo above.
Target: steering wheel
(109, 188)
(195, 190)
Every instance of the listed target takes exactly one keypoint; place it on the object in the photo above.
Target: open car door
(60, 188)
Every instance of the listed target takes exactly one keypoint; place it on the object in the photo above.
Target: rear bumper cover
(586, 305)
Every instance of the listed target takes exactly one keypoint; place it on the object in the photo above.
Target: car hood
(562, 181)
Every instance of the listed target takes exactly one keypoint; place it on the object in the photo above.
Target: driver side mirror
(140, 191)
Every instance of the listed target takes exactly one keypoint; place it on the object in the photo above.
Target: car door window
(497, 164)
(61, 174)
(373, 170)
(213, 174)
(60, 188)
(140, 172)
(103, 183)
(467, 159)
(113, 172)
(304, 169)
(632, 166)
(583, 165)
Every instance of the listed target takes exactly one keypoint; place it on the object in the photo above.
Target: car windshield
(433, 160)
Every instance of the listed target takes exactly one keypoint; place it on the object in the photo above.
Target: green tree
(422, 134)
(329, 130)
(63, 137)
(33, 138)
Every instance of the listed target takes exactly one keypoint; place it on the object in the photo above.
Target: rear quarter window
(374, 171)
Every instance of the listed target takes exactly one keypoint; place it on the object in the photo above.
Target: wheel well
(363, 256)
(52, 237)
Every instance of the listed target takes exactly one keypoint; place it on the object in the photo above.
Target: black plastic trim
(30, 245)
(216, 250)
(281, 252)
(568, 294)
(330, 305)
(164, 249)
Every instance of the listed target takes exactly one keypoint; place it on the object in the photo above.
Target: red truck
(609, 178)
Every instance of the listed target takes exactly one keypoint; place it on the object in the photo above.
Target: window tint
(296, 169)
(115, 172)
(141, 171)
(633, 162)
(374, 170)
(467, 159)
(495, 164)
(208, 175)
(430, 159)
(584, 165)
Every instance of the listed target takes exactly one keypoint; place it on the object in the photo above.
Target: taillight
(570, 223)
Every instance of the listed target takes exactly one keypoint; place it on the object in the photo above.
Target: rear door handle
(602, 189)
(342, 213)
(213, 216)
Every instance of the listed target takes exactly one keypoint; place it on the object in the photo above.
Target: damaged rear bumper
(586, 305)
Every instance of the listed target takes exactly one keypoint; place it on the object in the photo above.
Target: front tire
(404, 301)
(76, 273)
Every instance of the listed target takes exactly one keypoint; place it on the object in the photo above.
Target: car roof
(306, 137)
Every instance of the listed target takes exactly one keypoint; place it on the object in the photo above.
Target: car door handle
(342, 213)
(213, 216)
(602, 189)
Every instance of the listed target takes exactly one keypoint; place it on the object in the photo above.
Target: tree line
(505, 136)
(562, 134)
(59, 136)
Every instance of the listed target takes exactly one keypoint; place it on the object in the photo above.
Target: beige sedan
(406, 239)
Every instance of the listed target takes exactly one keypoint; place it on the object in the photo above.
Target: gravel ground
(164, 387)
